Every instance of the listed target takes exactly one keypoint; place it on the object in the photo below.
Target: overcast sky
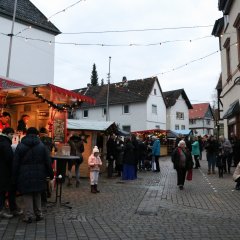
(73, 64)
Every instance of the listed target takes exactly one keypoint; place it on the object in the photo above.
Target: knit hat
(95, 149)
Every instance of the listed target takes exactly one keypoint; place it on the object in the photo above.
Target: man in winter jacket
(31, 166)
(6, 185)
(156, 152)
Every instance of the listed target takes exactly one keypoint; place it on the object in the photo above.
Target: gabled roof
(172, 96)
(28, 14)
(132, 91)
(199, 110)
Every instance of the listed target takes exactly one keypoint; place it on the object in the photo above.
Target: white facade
(202, 126)
(142, 116)
(32, 62)
(176, 121)
(230, 39)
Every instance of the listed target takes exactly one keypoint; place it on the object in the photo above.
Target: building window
(192, 121)
(237, 26)
(104, 111)
(183, 127)
(226, 45)
(126, 128)
(157, 126)
(155, 91)
(125, 109)
(85, 113)
(208, 121)
(176, 127)
(180, 115)
(154, 109)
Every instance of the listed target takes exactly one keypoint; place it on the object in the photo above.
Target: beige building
(227, 29)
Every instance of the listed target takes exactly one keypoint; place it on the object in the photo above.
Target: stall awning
(233, 109)
(6, 83)
(183, 132)
(72, 94)
(79, 124)
(47, 93)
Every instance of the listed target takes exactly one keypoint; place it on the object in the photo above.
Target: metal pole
(11, 38)
(107, 108)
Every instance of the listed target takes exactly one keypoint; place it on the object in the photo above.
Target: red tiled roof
(199, 110)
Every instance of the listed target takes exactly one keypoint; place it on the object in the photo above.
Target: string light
(59, 107)
(138, 30)
(112, 45)
(65, 9)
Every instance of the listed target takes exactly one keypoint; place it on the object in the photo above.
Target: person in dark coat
(129, 163)
(22, 123)
(6, 185)
(182, 162)
(111, 154)
(119, 156)
(76, 149)
(31, 167)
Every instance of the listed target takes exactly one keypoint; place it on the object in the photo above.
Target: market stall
(160, 134)
(45, 105)
(94, 133)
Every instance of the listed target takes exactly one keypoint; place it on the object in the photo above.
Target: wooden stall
(46, 105)
(94, 133)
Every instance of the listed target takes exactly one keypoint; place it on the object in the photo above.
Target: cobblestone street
(151, 207)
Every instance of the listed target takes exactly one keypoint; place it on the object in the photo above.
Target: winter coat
(22, 126)
(156, 148)
(195, 148)
(119, 152)
(94, 163)
(211, 147)
(176, 159)
(111, 149)
(6, 159)
(31, 165)
(128, 156)
(77, 148)
(236, 173)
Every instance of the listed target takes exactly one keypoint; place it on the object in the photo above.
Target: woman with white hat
(94, 163)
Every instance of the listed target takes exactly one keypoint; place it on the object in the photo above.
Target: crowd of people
(132, 154)
(26, 168)
(221, 153)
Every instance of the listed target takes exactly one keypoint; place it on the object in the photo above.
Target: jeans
(32, 204)
(77, 172)
(211, 158)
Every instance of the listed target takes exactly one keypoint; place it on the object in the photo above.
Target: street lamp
(107, 107)
(11, 38)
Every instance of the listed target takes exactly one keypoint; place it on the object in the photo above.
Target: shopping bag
(189, 175)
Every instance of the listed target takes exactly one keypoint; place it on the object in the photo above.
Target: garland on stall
(59, 107)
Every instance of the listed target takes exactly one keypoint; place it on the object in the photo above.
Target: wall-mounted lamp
(237, 81)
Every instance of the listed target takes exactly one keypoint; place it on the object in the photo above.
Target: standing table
(61, 163)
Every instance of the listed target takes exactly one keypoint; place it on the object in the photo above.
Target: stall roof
(25, 94)
(183, 132)
(79, 124)
(9, 83)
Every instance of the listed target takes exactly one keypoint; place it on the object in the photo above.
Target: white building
(227, 29)
(32, 61)
(201, 119)
(178, 106)
(134, 105)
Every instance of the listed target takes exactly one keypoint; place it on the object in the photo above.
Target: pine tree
(94, 76)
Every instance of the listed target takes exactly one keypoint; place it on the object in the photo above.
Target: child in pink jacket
(94, 163)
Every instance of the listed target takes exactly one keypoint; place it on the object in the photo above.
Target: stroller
(148, 160)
